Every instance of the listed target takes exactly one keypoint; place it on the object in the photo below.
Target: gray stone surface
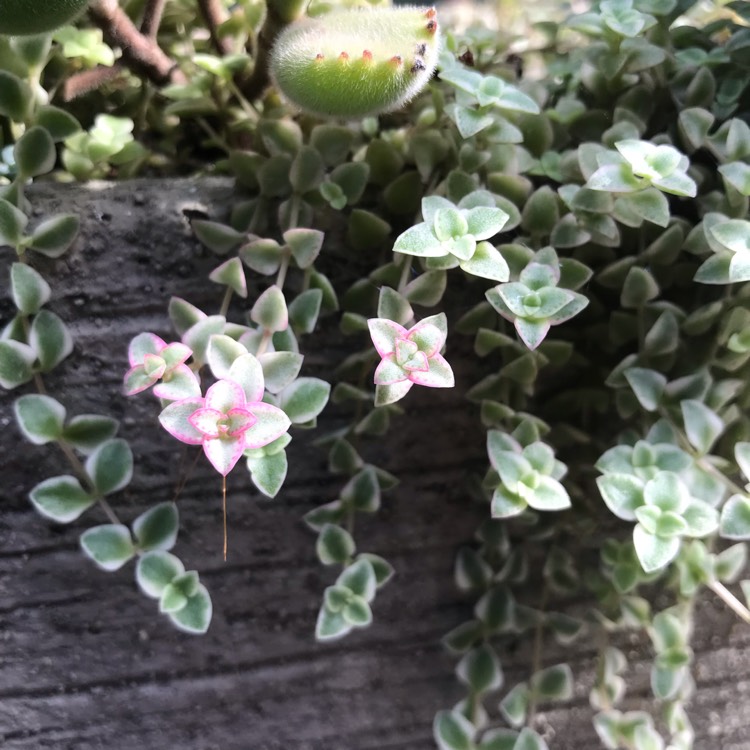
(86, 663)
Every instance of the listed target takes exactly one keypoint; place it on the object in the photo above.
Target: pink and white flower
(409, 357)
(153, 361)
(226, 422)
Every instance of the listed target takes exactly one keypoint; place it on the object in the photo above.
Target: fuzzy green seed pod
(358, 62)
(22, 17)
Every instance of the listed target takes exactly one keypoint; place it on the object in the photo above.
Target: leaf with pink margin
(389, 394)
(223, 453)
(136, 380)
(206, 421)
(384, 333)
(180, 383)
(532, 333)
(175, 419)
(428, 337)
(248, 372)
(175, 354)
(440, 374)
(388, 372)
(224, 395)
(272, 424)
(143, 344)
(154, 366)
(240, 421)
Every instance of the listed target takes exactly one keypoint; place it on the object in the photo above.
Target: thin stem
(536, 657)
(265, 340)
(730, 600)
(211, 11)
(224, 507)
(140, 53)
(280, 13)
(217, 139)
(225, 302)
(405, 273)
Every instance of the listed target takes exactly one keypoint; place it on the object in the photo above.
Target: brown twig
(152, 14)
(140, 53)
(280, 13)
(89, 80)
(211, 10)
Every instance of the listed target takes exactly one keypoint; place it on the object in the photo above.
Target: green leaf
(382, 568)
(30, 291)
(55, 235)
(304, 310)
(394, 306)
(195, 616)
(110, 466)
(231, 274)
(622, 493)
(553, 683)
(40, 418)
(331, 625)
(702, 425)
(529, 740)
(654, 552)
(360, 579)
(648, 386)
(222, 353)
(305, 245)
(729, 564)
(480, 670)
(270, 311)
(87, 431)
(734, 235)
(57, 122)
(515, 704)
(15, 96)
(219, 238)
(35, 153)
(453, 731)
(156, 529)
(334, 545)
(268, 472)
(61, 499)
(155, 571)
(280, 369)
(50, 339)
(357, 612)
(735, 518)
(640, 287)
(307, 170)
(109, 546)
(15, 363)
(304, 399)
(362, 491)
(12, 222)
(648, 205)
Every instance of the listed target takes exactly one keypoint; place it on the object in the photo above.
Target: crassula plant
(585, 229)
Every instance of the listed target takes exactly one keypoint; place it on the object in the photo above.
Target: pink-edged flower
(226, 422)
(409, 357)
(153, 361)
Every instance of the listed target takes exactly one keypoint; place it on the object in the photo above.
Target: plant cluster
(596, 221)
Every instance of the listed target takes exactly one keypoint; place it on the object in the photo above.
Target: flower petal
(384, 333)
(272, 424)
(206, 421)
(439, 375)
(175, 419)
(224, 395)
(223, 453)
(388, 372)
